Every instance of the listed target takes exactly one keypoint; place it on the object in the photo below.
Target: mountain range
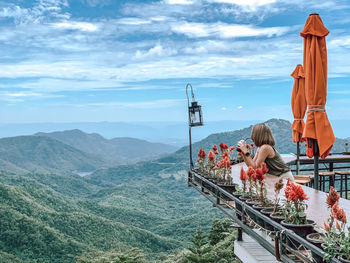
(74, 151)
(123, 150)
(54, 215)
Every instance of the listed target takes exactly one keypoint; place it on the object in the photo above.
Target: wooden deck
(317, 208)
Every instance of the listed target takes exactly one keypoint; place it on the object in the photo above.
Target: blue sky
(105, 60)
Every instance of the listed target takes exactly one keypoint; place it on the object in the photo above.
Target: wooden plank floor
(250, 251)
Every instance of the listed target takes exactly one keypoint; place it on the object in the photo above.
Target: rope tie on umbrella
(315, 108)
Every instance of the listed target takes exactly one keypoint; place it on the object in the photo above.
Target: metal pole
(190, 146)
(316, 156)
(298, 155)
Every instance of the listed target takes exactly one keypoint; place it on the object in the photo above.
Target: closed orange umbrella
(317, 125)
(298, 103)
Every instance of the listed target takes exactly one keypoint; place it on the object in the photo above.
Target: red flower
(332, 197)
(215, 148)
(264, 168)
(216, 152)
(232, 148)
(259, 174)
(243, 175)
(223, 146)
(225, 155)
(295, 192)
(211, 156)
(252, 144)
(201, 153)
(250, 171)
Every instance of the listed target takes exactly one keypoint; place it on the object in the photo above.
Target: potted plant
(336, 239)
(345, 247)
(201, 161)
(273, 210)
(225, 179)
(318, 238)
(243, 191)
(294, 210)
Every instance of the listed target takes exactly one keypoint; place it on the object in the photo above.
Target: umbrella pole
(298, 162)
(316, 156)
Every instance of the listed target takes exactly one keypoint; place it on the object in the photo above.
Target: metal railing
(278, 249)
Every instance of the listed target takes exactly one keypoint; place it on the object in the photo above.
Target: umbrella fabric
(317, 125)
(298, 103)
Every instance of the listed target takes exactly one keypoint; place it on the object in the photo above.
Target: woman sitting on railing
(266, 152)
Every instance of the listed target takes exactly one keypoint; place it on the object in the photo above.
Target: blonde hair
(261, 134)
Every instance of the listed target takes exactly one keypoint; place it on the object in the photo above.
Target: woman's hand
(242, 146)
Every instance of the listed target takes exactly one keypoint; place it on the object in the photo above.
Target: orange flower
(232, 148)
(326, 226)
(264, 168)
(338, 213)
(332, 197)
(211, 156)
(337, 225)
(287, 189)
(243, 175)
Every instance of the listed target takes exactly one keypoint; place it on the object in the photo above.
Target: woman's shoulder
(268, 149)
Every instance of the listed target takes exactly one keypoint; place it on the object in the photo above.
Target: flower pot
(244, 197)
(316, 239)
(301, 230)
(252, 202)
(278, 216)
(237, 194)
(267, 212)
(239, 208)
(259, 220)
(228, 188)
(343, 259)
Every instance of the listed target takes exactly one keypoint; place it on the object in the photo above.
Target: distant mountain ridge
(40, 154)
(115, 151)
(281, 130)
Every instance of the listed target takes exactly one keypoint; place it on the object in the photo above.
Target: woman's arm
(262, 153)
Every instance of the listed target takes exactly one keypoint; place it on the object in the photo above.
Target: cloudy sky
(118, 60)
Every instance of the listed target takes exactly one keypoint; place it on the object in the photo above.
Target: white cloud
(83, 26)
(240, 107)
(223, 108)
(156, 51)
(133, 21)
(179, 2)
(224, 30)
(251, 3)
(153, 104)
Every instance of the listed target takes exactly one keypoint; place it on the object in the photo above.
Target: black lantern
(194, 111)
(194, 118)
